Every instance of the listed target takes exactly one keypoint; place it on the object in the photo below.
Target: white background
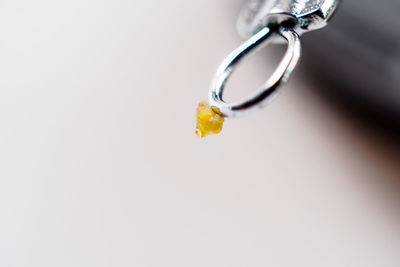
(99, 164)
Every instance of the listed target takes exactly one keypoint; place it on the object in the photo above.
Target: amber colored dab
(208, 121)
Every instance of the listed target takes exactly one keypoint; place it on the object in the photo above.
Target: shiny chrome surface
(263, 95)
(265, 21)
(301, 15)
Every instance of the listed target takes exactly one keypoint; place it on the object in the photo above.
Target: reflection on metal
(264, 22)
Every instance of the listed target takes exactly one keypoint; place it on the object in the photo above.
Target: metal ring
(263, 95)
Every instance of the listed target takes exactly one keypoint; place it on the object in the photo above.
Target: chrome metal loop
(263, 95)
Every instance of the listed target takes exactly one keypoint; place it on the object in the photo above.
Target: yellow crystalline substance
(208, 122)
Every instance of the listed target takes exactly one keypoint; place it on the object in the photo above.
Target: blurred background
(99, 164)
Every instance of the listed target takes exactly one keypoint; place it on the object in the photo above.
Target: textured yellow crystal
(208, 122)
